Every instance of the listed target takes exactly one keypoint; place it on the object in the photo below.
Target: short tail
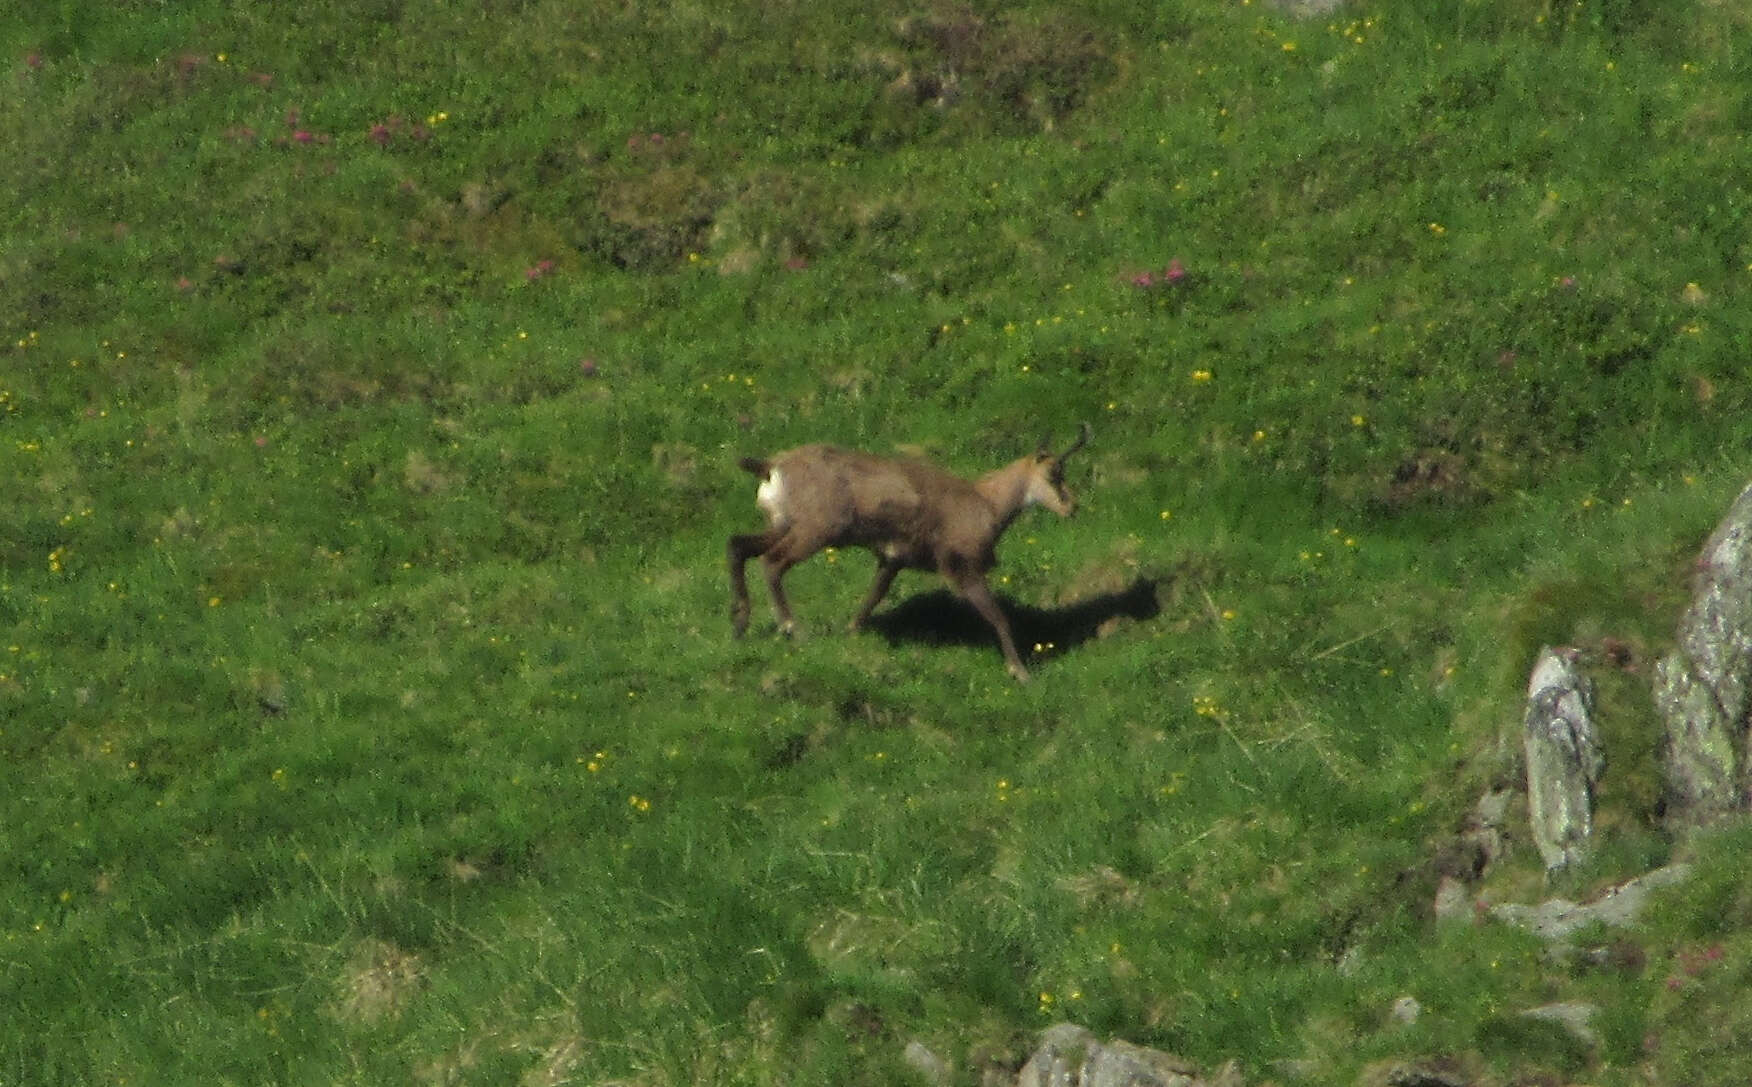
(755, 466)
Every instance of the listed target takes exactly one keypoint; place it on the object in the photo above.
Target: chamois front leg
(885, 571)
(975, 591)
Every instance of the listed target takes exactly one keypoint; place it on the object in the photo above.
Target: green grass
(371, 383)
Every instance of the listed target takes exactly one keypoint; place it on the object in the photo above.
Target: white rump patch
(771, 495)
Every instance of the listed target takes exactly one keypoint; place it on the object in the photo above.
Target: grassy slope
(373, 380)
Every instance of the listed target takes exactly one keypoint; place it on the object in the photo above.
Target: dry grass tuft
(381, 981)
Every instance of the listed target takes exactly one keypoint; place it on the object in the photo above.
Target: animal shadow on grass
(940, 617)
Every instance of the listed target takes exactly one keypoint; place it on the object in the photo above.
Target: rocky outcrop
(1703, 689)
(1564, 757)
(1462, 862)
(1558, 919)
(1070, 1056)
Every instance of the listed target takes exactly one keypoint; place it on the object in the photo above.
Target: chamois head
(1046, 478)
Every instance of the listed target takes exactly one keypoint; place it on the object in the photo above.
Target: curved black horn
(1082, 440)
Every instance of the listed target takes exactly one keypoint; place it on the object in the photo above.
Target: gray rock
(1070, 1056)
(1419, 1075)
(1406, 1010)
(931, 1068)
(1489, 816)
(1059, 1059)
(1559, 918)
(1229, 1075)
(1307, 9)
(1702, 688)
(1350, 961)
(1481, 842)
(1465, 859)
(1453, 900)
(1574, 1018)
(1564, 758)
(1121, 1064)
(1297, 1068)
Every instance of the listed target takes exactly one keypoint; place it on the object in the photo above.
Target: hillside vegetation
(372, 379)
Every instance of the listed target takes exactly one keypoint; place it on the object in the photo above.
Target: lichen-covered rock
(1559, 919)
(1070, 1056)
(1564, 758)
(1059, 1060)
(1703, 689)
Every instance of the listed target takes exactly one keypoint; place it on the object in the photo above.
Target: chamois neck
(1006, 489)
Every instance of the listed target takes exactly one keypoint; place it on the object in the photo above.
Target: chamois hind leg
(739, 551)
(976, 592)
(885, 571)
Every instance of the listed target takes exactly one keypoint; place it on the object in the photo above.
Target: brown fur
(908, 513)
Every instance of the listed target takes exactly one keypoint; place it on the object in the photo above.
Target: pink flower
(380, 134)
(1143, 280)
(1175, 272)
(185, 284)
(303, 136)
(587, 367)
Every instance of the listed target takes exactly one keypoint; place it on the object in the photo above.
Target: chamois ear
(1082, 440)
(1043, 449)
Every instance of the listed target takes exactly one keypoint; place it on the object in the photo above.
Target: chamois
(908, 513)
